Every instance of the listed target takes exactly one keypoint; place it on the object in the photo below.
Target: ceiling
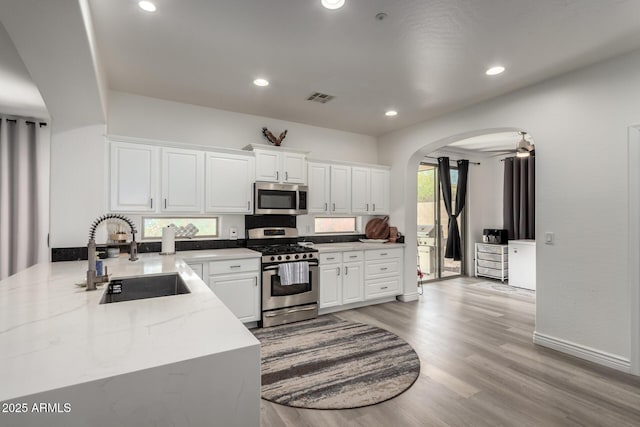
(425, 59)
(490, 144)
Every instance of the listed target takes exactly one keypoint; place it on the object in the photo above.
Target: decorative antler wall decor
(271, 137)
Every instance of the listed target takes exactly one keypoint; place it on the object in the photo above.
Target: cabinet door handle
(286, 176)
(152, 203)
(338, 270)
(326, 207)
(277, 176)
(165, 203)
(367, 206)
(346, 271)
(249, 205)
(255, 279)
(334, 207)
(374, 207)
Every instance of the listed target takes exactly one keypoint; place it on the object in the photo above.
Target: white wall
(77, 184)
(580, 123)
(143, 117)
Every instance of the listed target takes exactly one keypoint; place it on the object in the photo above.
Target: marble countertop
(55, 334)
(354, 246)
(218, 254)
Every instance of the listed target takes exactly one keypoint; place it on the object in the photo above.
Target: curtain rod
(451, 160)
(29, 122)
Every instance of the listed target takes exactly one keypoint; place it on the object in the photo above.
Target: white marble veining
(54, 334)
(218, 254)
(354, 246)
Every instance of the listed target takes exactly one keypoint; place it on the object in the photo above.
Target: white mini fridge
(522, 264)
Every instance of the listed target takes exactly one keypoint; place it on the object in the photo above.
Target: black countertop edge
(80, 253)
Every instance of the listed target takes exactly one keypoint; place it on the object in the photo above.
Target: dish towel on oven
(293, 273)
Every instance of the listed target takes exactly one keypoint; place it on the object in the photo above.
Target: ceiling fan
(523, 148)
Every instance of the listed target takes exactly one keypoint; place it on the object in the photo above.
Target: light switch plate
(548, 238)
(233, 233)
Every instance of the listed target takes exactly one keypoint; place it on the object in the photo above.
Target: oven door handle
(275, 267)
(295, 310)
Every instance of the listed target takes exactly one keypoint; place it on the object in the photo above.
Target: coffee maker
(495, 235)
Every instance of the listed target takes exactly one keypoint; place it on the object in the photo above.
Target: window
(186, 227)
(334, 225)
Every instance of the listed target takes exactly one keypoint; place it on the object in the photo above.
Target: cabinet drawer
(331, 258)
(233, 266)
(492, 272)
(492, 264)
(352, 256)
(382, 268)
(383, 253)
(491, 257)
(381, 288)
(492, 249)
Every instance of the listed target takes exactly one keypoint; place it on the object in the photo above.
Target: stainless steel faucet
(92, 278)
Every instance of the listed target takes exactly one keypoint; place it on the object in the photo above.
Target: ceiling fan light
(523, 154)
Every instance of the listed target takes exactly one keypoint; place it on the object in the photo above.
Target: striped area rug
(330, 363)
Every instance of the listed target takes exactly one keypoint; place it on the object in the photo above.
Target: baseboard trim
(334, 309)
(408, 297)
(587, 353)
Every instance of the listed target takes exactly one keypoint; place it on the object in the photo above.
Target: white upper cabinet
(267, 166)
(379, 191)
(369, 191)
(229, 183)
(274, 165)
(133, 177)
(340, 189)
(329, 188)
(182, 180)
(319, 187)
(360, 190)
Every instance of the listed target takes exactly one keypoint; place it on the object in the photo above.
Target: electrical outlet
(233, 233)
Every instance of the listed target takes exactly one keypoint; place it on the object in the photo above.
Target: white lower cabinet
(237, 283)
(356, 276)
(522, 264)
(341, 278)
(383, 273)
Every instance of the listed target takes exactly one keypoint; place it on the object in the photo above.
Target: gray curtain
(19, 209)
(520, 197)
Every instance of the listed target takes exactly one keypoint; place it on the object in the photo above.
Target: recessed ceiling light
(147, 6)
(493, 71)
(332, 4)
(261, 82)
(391, 113)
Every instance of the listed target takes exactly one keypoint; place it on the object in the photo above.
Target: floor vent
(322, 98)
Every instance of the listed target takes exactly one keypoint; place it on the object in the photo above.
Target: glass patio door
(432, 225)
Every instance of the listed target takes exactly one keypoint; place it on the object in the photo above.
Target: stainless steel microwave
(280, 199)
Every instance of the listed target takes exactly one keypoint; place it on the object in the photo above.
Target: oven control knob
(297, 256)
(310, 255)
(273, 258)
(279, 257)
(304, 255)
(288, 257)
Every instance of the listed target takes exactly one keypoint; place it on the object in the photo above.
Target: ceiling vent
(322, 98)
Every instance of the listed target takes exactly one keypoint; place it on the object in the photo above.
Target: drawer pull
(383, 268)
(384, 254)
(330, 258)
(384, 287)
(353, 256)
(235, 266)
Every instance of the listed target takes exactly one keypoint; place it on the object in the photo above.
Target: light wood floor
(480, 368)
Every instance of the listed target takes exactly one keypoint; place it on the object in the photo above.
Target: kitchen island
(67, 360)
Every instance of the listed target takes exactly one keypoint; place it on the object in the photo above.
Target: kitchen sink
(142, 287)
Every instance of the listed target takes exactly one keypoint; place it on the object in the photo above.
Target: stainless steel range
(286, 296)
